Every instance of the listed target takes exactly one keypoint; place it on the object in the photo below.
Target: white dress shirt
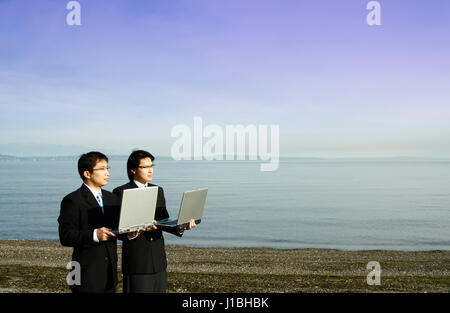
(140, 185)
(95, 193)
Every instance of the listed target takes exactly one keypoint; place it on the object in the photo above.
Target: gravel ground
(39, 266)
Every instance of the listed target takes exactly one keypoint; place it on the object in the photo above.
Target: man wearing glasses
(143, 254)
(85, 219)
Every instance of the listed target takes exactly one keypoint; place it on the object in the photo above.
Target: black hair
(134, 159)
(87, 161)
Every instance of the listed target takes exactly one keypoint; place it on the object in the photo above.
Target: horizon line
(246, 157)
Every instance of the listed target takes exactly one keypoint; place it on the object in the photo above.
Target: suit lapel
(132, 184)
(90, 199)
(109, 199)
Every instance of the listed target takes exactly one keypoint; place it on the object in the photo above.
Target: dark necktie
(100, 202)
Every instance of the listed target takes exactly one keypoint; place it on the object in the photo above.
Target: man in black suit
(143, 254)
(85, 219)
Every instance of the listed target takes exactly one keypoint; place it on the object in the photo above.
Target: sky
(133, 70)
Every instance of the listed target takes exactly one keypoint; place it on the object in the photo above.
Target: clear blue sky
(134, 69)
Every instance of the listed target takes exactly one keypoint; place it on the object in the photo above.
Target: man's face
(99, 176)
(144, 172)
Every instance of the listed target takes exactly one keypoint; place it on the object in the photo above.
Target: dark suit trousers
(145, 283)
(109, 287)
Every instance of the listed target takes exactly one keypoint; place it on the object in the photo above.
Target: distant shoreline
(39, 266)
(6, 157)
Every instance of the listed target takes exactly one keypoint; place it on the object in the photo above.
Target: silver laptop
(191, 207)
(137, 210)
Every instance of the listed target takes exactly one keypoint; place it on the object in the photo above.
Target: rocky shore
(40, 266)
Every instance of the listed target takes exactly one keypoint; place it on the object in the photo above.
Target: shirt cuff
(95, 236)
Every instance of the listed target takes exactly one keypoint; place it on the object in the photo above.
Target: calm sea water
(350, 205)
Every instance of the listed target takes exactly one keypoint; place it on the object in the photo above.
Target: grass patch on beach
(35, 279)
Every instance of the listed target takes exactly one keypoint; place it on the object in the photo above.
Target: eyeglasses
(147, 166)
(102, 168)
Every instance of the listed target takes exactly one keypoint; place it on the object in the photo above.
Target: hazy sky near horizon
(133, 70)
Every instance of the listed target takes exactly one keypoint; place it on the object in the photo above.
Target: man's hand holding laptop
(150, 228)
(134, 234)
(103, 234)
(191, 225)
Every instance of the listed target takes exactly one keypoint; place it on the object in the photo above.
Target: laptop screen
(192, 205)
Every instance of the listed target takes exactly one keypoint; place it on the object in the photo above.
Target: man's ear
(87, 175)
(133, 171)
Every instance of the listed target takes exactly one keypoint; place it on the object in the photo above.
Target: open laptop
(191, 207)
(137, 210)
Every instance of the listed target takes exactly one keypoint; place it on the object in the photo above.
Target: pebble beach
(40, 267)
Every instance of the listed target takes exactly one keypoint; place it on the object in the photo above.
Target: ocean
(336, 204)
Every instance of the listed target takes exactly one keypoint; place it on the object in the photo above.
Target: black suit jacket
(80, 214)
(146, 253)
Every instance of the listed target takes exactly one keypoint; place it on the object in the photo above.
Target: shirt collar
(140, 185)
(94, 192)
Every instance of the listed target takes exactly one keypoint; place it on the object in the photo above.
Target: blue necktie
(100, 202)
